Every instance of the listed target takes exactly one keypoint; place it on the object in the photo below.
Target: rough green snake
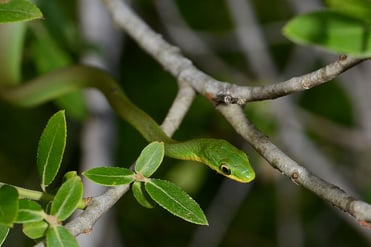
(218, 154)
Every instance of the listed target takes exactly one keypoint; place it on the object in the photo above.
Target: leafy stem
(36, 195)
(31, 194)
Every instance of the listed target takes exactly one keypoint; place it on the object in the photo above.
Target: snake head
(227, 160)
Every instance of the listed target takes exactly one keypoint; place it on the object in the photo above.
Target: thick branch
(298, 174)
(96, 208)
(166, 54)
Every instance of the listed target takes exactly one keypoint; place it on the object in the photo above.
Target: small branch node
(365, 224)
(306, 84)
(228, 99)
(342, 58)
(294, 177)
(87, 231)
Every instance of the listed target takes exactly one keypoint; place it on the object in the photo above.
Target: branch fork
(228, 99)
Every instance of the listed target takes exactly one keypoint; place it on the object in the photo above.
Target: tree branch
(179, 108)
(301, 83)
(182, 68)
(298, 174)
(96, 208)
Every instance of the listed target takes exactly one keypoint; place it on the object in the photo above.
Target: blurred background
(326, 129)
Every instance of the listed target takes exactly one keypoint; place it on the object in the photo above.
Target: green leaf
(29, 211)
(332, 31)
(140, 195)
(4, 230)
(355, 8)
(58, 236)
(175, 200)
(68, 175)
(8, 204)
(110, 176)
(35, 230)
(67, 198)
(18, 10)
(51, 148)
(150, 159)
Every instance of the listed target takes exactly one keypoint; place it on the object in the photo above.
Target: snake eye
(225, 169)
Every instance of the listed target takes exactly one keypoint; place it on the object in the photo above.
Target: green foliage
(4, 230)
(51, 148)
(360, 9)
(8, 205)
(110, 176)
(257, 226)
(332, 31)
(150, 159)
(140, 195)
(35, 230)
(38, 222)
(175, 200)
(18, 10)
(29, 211)
(58, 236)
(67, 198)
(169, 196)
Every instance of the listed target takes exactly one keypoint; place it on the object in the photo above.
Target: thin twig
(301, 83)
(172, 60)
(178, 109)
(97, 207)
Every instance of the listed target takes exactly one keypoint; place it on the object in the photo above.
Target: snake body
(218, 154)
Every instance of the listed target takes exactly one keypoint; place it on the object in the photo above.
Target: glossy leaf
(140, 195)
(175, 200)
(58, 236)
(8, 205)
(332, 31)
(150, 159)
(35, 230)
(29, 211)
(68, 175)
(67, 198)
(4, 230)
(355, 8)
(18, 10)
(51, 148)
(110, 176)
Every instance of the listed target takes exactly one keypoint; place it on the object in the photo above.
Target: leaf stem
(39, 195)
(31, 194)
